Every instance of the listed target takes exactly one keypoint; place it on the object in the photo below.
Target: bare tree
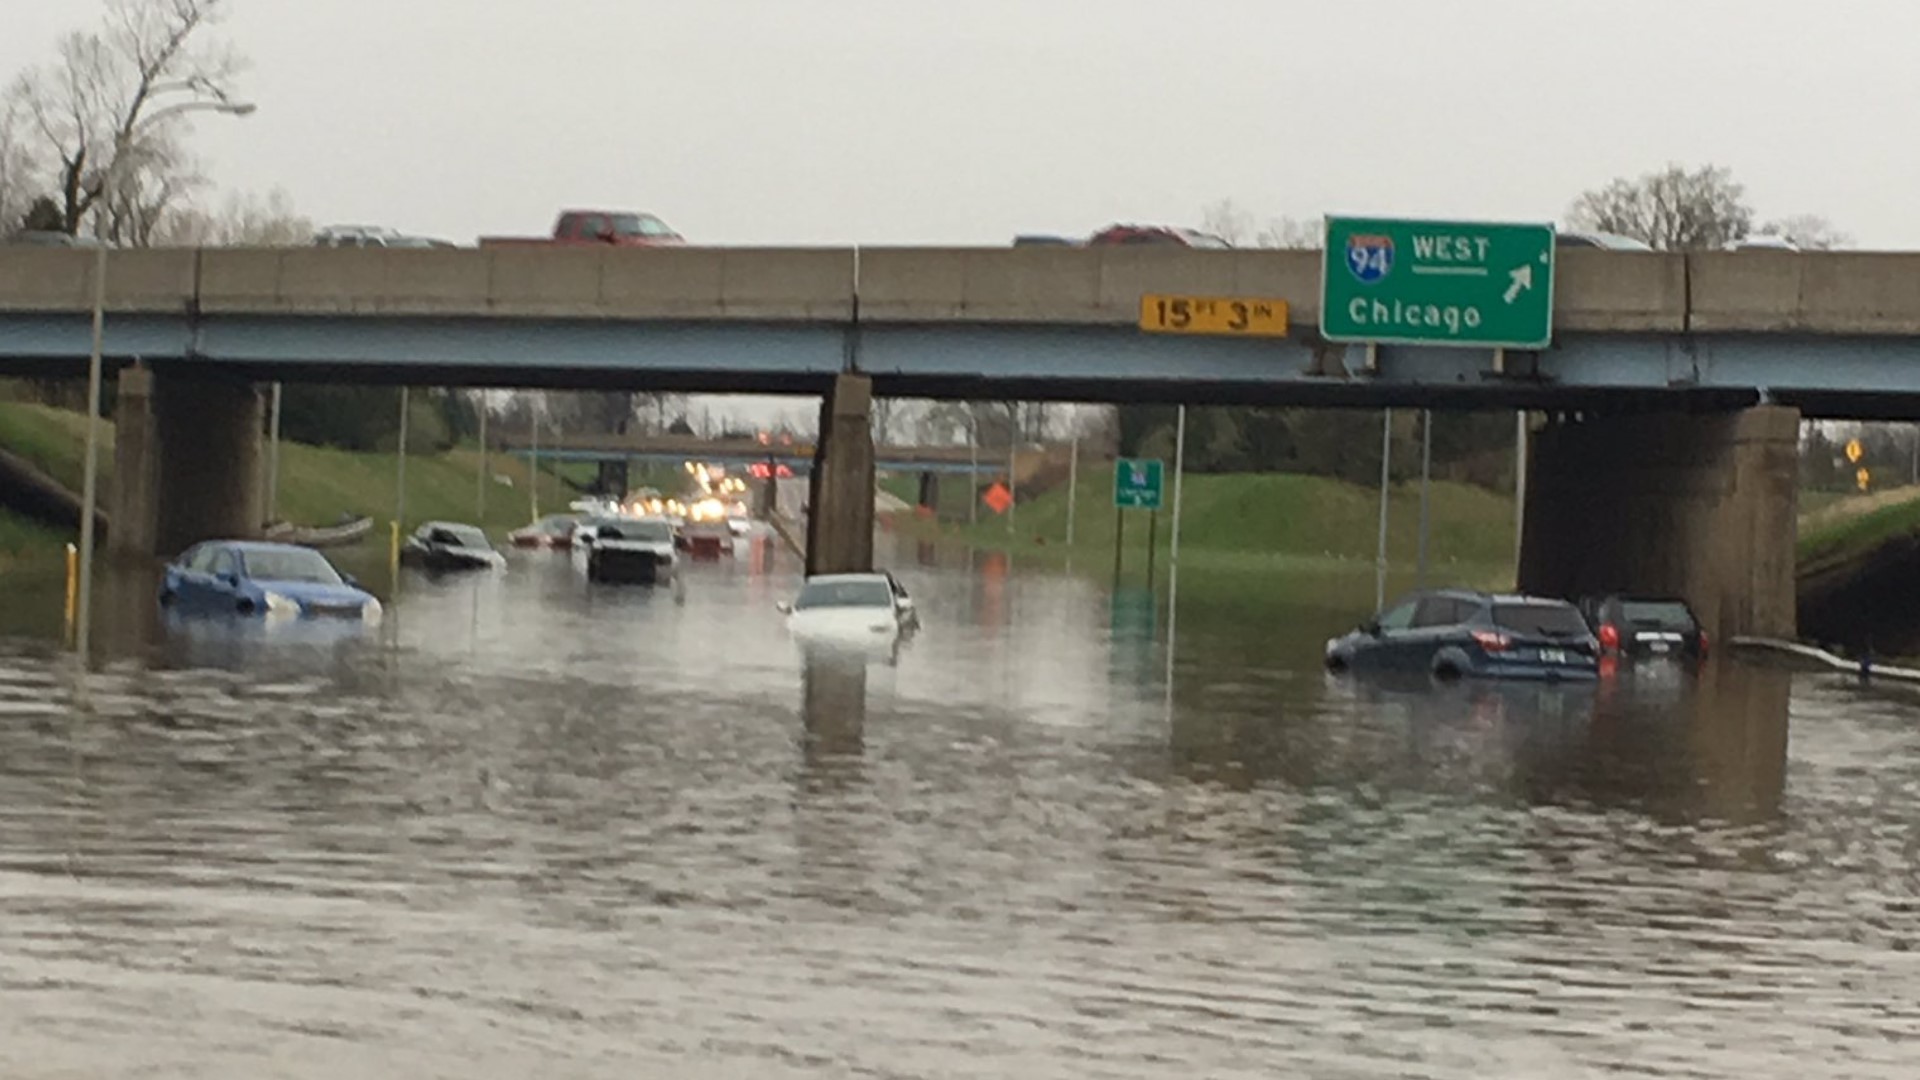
(1235, 224)
(243, 220)
(1809, 232)
(886, 415)
(1287, 232)
(1674, 209)
(19, 179)
(123, 92)
(1227, 220)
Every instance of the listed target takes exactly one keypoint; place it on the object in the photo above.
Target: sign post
(1390, 280)
(1137, 485)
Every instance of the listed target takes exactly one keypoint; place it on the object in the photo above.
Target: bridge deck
(1837, 333)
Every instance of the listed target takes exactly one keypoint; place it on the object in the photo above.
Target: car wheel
(1447, 670)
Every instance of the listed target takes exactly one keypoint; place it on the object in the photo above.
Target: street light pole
(481, 500)
(90, 480)
(273, 458)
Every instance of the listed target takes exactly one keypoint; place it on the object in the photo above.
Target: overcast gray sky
(909, 121)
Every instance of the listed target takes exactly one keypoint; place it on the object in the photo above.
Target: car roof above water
(1490, 598)
(245, 546)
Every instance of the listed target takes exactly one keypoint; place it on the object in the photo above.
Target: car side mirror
(1371, 628)
(352, 582)
(784, 608)
(606, 235)
(230, 580)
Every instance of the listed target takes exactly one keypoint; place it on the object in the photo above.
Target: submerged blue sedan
(270, 581)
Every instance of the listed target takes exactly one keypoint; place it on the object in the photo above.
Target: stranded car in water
(261, 580)
(853, 605)
(1455, 633)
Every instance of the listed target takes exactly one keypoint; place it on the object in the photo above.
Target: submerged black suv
(1456, 633)
(1638, 627)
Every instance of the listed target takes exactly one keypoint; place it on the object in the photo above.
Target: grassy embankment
(1268, 518)
(317, 484)
(1837, 528)
(1261, 520)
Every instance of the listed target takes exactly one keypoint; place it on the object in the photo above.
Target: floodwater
(535, 828)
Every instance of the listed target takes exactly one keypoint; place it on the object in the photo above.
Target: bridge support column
(840, 501)
(930, 491)
(131, 504)
(194, 466)
(1698, 506)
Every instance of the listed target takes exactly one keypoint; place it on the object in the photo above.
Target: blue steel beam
(1850, 375)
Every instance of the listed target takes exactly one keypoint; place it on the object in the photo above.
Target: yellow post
(393, 558)
(73, 590)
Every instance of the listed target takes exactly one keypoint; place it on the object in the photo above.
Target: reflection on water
(532, 827)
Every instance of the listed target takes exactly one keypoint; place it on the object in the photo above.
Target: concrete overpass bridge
(1736, 345)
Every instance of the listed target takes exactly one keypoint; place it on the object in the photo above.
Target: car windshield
(465, 536)
(1545, 620)
(1205, 240)
(1657, 614)
(640, 225)
(657, 532)
(862, 592)
(290, 564)
(557, 523)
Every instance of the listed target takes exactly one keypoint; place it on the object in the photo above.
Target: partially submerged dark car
(1641, 627)
(1460, 633)
(443, 546)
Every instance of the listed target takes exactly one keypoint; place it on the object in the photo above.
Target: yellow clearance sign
(1234, 316)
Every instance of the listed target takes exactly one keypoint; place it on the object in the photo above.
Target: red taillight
(1703, 644)
(1609, 637)
(1491, 641)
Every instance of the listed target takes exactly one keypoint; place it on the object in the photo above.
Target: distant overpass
(674, 449)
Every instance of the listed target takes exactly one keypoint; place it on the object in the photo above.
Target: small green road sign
(1137, 483)
(1437, 283)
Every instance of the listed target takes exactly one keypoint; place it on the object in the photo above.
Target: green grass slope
(1236, 517)
(317, 484)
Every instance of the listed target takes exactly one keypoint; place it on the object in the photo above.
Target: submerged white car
(852, 606)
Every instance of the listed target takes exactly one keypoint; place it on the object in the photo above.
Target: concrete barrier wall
(61, 280)
(532, 281)
(1826, 293)
(1597, 291)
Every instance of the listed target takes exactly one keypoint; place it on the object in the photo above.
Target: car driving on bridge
(1458, 633)
(1172, 235)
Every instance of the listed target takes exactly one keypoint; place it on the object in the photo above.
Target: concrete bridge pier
(187, 458)
(929, 491)
(841, 487)
(1698, 506)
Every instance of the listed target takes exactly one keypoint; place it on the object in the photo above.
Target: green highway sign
(1137, 483)
(1437, 283)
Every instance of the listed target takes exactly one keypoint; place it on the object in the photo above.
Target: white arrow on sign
(1522, 279)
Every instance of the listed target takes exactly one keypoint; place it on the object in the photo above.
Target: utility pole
(480, 491)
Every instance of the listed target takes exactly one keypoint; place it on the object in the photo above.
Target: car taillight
(1609, 636)
(1703, 644)
(1491, 641)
